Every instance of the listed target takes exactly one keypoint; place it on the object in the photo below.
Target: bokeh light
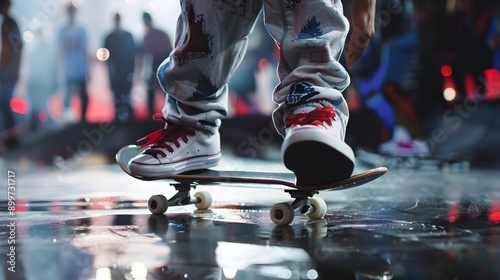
(28, 36)
(449, 94)
(446, 71)
(102, 54)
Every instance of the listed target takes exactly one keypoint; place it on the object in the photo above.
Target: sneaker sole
(154, 170)
(315, 162)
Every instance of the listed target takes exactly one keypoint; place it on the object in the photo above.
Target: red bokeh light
(43, 116)
(446, 71)
(19, 105)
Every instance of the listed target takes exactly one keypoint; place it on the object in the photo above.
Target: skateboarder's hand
(363, 28)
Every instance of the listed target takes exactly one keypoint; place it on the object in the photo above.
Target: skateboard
(456, 161)
(281, 213)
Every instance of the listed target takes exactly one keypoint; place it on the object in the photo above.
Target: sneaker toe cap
(144, 159)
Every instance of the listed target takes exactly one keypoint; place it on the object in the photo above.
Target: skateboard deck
(456, 160)
(255, 179)
(284, 180)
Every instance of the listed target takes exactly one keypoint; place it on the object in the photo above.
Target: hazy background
(96, 16)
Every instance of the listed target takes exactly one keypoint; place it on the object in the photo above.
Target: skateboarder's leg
(312, 113)
(211, 42)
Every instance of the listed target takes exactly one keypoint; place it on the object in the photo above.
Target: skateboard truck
(301, 201)
(158, 204)
(183, 196)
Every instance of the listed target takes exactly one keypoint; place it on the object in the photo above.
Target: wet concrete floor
(92, 222)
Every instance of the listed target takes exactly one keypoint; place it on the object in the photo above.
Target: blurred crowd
(61, 63)
(427, 55)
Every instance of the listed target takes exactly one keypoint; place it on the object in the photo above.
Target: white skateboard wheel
(158, 204)
(282, 214)
(205, 200)
(319, 208)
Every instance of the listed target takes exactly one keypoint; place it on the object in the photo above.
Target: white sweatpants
(211, 40)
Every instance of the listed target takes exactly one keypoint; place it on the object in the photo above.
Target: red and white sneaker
(314, 147)
(402, 144)
(176, 149)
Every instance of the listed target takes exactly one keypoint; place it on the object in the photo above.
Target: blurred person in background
(383, 81)
(156, 47)
(11, 45)
(121, 65)
(399, 48)
(41, 84)
(74, 66)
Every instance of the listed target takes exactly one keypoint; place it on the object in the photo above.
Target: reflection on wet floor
(406, 225)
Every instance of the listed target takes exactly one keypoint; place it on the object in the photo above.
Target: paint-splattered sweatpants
(211, 40)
